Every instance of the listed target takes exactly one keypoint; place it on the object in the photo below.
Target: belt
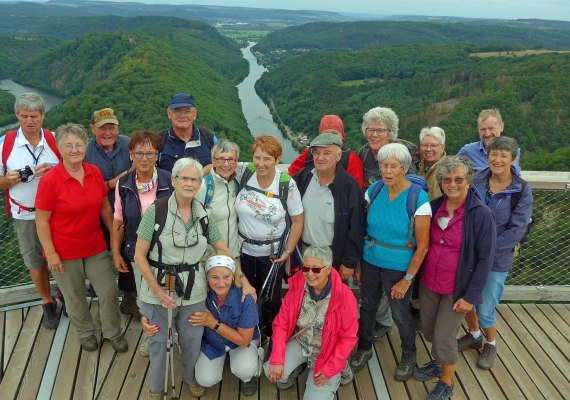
(163, 269)
(258, 242)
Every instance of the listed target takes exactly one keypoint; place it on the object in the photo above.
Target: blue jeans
(373, 280)
(492, 293)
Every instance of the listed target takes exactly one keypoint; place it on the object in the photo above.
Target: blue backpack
(418, 184)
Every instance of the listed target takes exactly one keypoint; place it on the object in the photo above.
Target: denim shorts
(491, 295)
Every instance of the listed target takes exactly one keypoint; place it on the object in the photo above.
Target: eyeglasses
(183, 111)
(222, 160)
(377, 131)
(315, 270)
(76, 146)
(429, 146)
(457, 180)
(186, 179)
(390, 166)
(139, 155)
(318, 153)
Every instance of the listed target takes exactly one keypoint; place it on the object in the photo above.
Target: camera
(25, 173)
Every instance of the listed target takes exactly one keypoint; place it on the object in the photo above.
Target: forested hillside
(427, 85)
(15, 50)
(6, 108)
(136, 72)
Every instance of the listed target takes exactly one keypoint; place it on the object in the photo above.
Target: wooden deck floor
(533, 363)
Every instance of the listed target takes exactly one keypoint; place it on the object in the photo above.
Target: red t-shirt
(75, 210)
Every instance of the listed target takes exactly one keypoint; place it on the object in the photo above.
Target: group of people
(202, 242)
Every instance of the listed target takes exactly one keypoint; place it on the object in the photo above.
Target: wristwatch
(409, 277)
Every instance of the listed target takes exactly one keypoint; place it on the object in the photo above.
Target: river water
(256, 112)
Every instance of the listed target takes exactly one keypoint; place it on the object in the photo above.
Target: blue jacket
(477, 248)
(132, 210)
(511, 226)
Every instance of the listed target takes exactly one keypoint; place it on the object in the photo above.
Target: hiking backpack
(515, 197)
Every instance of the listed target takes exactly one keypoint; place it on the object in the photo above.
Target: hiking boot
(62, 301)
(441, 391)
(346, 375)
(119, 344)
(429, 371)
(143, 347)
(129, 306)
(89, 343)
(406, 367)
(196, 390)
(50, 320)
(249, 388)
(487, 356)
(359, 360)
(292, 376)
(154, 396)
(467, 342)
(380, 331)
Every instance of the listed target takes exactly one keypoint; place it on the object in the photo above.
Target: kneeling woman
(229, 327)
(317, 325)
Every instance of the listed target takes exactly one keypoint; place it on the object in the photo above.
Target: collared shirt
(112, 163)
(234, 314)
(24, 193)
(477, 154)
(318, 204)
(175, 148)
(75, 210)
(440, 265)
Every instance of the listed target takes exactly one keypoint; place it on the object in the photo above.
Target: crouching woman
(317, 325)
(229, 327)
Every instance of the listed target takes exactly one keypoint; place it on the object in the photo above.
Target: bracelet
(286, 251)
(217, 325)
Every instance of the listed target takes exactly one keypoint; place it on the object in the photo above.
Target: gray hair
(70, 129)
(225, 146)
(381, 115)
(323, 253)
(449, 164)
(397, 150)
(490, 112)
(30, 102)
(186, 162)
(504, 143)
(435, 132)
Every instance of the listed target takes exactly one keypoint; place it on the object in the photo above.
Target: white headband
(220, 261)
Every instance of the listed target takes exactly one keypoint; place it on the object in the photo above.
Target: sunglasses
(316, 270)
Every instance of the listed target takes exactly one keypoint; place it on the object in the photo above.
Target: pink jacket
(339, 331)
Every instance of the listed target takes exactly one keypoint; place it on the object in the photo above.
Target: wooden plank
(526, 350)
(230, 383)
(415, 389)
(21, 293)
(267, 389)
(564, 311)
(16, 368)
(2, 318)
(387, 355)
(536, 293)
(65, 379)
(86, 377)
(37, 363)
(547, 319)
(14, 320)
(347, 392)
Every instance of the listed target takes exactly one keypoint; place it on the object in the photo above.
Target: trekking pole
(170, 282)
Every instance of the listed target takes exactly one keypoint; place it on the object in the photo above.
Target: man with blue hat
(184, 138)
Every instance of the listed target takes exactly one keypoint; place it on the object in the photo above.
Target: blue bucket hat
(181, 100)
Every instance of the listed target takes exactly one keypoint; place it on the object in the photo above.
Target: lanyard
(36, 159)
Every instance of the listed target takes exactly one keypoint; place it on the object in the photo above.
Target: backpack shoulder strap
(363, 152)
(411, 207)
(247, 173)
(163, 134)
(204, 223)
(376, 188)
(284, 180)
(50, 139)
(344, 158)
(515, 197)
(209, 189)
(9, 140)
(208, 136)
(160, 213)
(122, 191)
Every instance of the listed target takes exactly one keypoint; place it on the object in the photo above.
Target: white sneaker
(143, 346)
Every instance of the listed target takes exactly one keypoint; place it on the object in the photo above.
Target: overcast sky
(503, 9)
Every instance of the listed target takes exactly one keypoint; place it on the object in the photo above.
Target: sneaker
(429, 371)
(487, 356)
(467, 342)
(91, 292)
(249, 388)
(380, 331)
(346, 375)
(154, 396)
(292, 376)
(196, 390)
(129, 306)
(441, 391)
(119, 344)
(50, 320)
(62, 301)
(89, 343)
(359, 360)
(406, 367)
(143, 347)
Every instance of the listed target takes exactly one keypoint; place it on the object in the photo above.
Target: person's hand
(54, 263)
(13, 178)
(345, 272)
(248, 289)
(275, 373)
(147, 328)
(41, 169)
(120, 264)
(165, 300)
(281, 259)
(400, 289)
(203, 318)
(462, 306)
(320, 379)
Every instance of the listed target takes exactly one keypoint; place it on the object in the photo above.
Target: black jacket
(350, 219)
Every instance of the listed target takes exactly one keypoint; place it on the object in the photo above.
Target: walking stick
(170, 282)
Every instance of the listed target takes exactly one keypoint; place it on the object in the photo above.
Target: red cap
(334, 122)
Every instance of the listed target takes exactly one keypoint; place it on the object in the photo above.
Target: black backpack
(515, 198)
